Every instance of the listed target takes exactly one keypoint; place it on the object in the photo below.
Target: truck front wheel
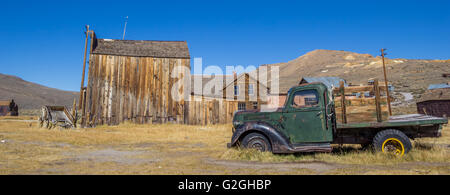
(392, 141)
(257, 141)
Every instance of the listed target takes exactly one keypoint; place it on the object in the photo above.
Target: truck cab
(305, 122)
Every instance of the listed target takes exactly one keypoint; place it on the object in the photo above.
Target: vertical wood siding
(136, 89)
(210, 111)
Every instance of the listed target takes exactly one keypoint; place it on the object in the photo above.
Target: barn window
(250, 89)
(255, 105)
(236, 90)
(241, 106)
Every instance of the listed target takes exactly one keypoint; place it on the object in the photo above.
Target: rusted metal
(279, 142)
(435, 102)
(386, 83)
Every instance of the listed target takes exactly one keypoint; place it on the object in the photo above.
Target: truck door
(304, 117)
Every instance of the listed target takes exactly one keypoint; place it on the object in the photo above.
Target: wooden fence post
(377, 100)
(344, 109)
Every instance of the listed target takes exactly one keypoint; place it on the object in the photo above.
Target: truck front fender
(279, 142)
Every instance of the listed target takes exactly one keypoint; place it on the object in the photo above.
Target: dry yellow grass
(23, 117)
(182, 149)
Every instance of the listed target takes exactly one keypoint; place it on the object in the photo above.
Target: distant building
(248, 89)
(435, 102)
(4, 108)
(9, 107)
(243, 88)
(381, 83)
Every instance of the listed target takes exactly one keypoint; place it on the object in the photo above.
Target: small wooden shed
(435, 102)
(4, 108)
(132, 81)
(8, 107)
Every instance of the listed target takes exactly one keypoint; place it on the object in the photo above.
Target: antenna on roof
(125, 28)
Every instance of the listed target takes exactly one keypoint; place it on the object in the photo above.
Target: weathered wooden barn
(8, 107)
(132, 81)
(435, 102)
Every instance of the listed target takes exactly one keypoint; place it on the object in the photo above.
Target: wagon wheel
(47, 124)
(41, 122)
(44, 119)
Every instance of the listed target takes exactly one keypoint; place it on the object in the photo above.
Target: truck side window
(306, 98)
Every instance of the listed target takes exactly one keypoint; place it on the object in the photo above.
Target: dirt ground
(180, 149)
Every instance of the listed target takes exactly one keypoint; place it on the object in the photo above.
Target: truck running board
(315, 147)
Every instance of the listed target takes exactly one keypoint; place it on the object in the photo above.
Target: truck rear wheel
(392, 141)
(257, 141)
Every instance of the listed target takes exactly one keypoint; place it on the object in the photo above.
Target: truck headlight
(237, 123)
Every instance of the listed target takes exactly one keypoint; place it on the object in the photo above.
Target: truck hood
(257, 110)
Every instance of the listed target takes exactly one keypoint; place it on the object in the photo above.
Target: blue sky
(43, 41)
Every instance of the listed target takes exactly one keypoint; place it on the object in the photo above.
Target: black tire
(392, 140)
(257, 141)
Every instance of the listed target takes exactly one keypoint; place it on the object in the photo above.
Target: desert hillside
(30, 95)
(410, 76)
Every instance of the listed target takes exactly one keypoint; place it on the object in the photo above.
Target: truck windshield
(306, 98)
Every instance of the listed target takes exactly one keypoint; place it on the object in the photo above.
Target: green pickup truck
(307, 123)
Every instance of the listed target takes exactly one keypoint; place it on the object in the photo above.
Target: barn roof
(157, 49)
(231, 81)
(435, 94)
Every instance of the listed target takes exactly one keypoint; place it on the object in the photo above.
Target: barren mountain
(412, 76)
(30, 95)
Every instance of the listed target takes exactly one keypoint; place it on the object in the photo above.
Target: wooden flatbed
(398, 121)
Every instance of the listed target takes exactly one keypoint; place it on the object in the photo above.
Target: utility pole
(84, 67)
(386, 83)
(125, 28)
